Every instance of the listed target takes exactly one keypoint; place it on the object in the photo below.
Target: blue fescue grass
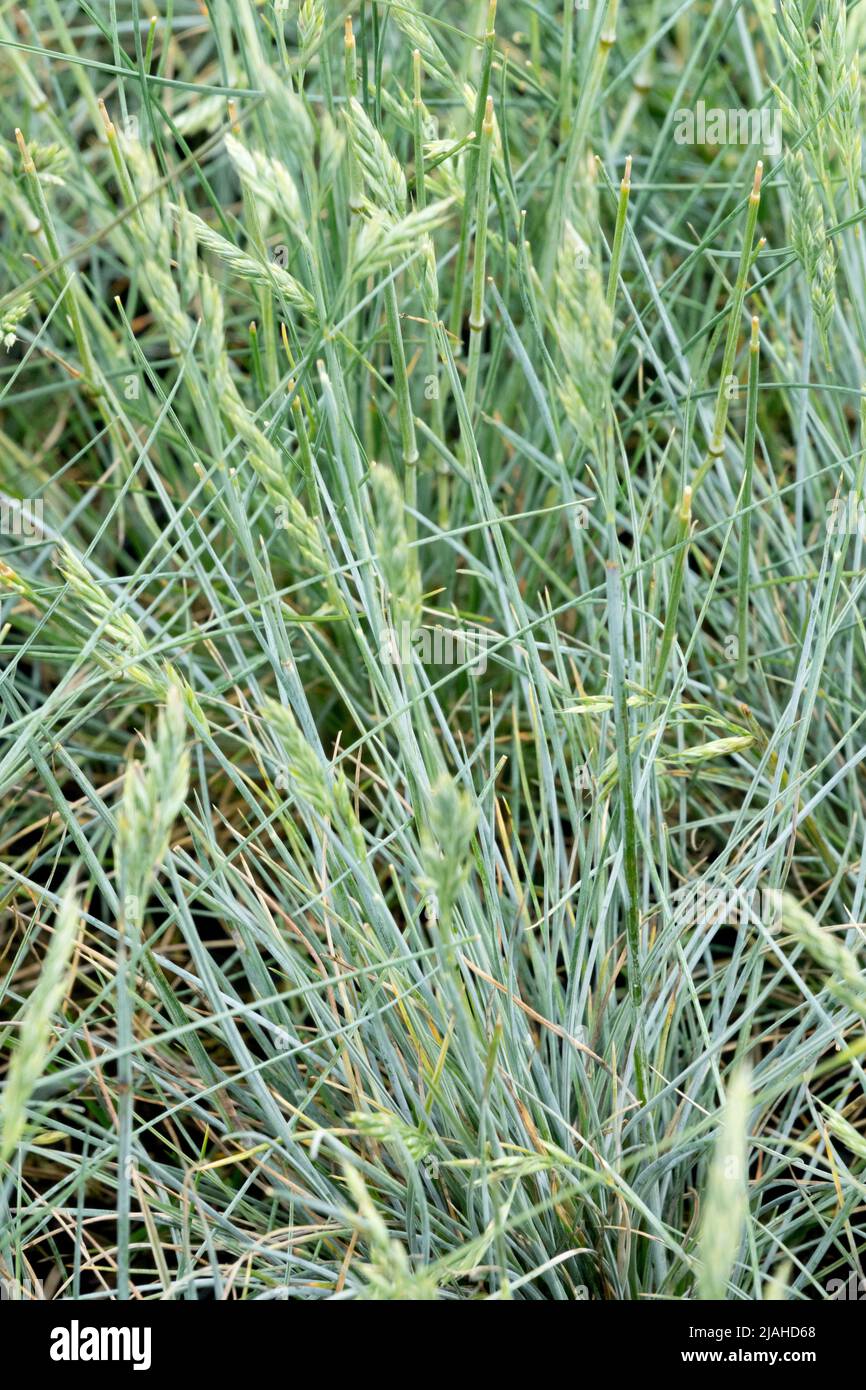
(417, 595)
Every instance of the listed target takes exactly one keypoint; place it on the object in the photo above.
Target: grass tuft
(431, 610)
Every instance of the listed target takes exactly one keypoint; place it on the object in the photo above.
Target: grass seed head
(311, 27)
(154, 792)
(397, 559)
(448, 826)
(725, 1205)
(28, 1060)
(382, 170)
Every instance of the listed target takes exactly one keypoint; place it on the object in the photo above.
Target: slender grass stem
(684, 521)
(404, 398)
(630, 892)
(716, 445)
(476, 315)
(46, 225)
(469, 189)
(434, 393)
(619, 235)
(745, 559)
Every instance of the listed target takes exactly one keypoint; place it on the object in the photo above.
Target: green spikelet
(846, 979)
(11, 317)
(382, 238)
(269, 181)
(811, 243)
(123, 646)
(261, 453)
(843, 85)
(311, 26)
(398, 560)
(726, 1198)
(584, 326)
(154, 791)
(150, 227)
(273, 276)
(324, 789)
(388, 1274)
(446, 841)
(34, 1035)
(382, 171)
(802, 112)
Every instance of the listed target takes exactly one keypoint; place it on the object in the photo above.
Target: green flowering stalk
(386, 1127)
(268, 180)
(813, 247)
(150, 230)
(842, 82)
(383, 239)
(381, 168)
(726, 1200)
(397, 558)
(302, 529)
(122, 646)
(801, 110)
(384, 175)
(582, 320)
(311, 27)
(154, 792)
(846, 977)
(446, 842)
(34, 1035)
(121, 640)
(11, 317)
(271, 275)
(387, 1273)
(319, 786)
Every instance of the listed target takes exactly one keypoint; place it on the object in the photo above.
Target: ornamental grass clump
(342, 346)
